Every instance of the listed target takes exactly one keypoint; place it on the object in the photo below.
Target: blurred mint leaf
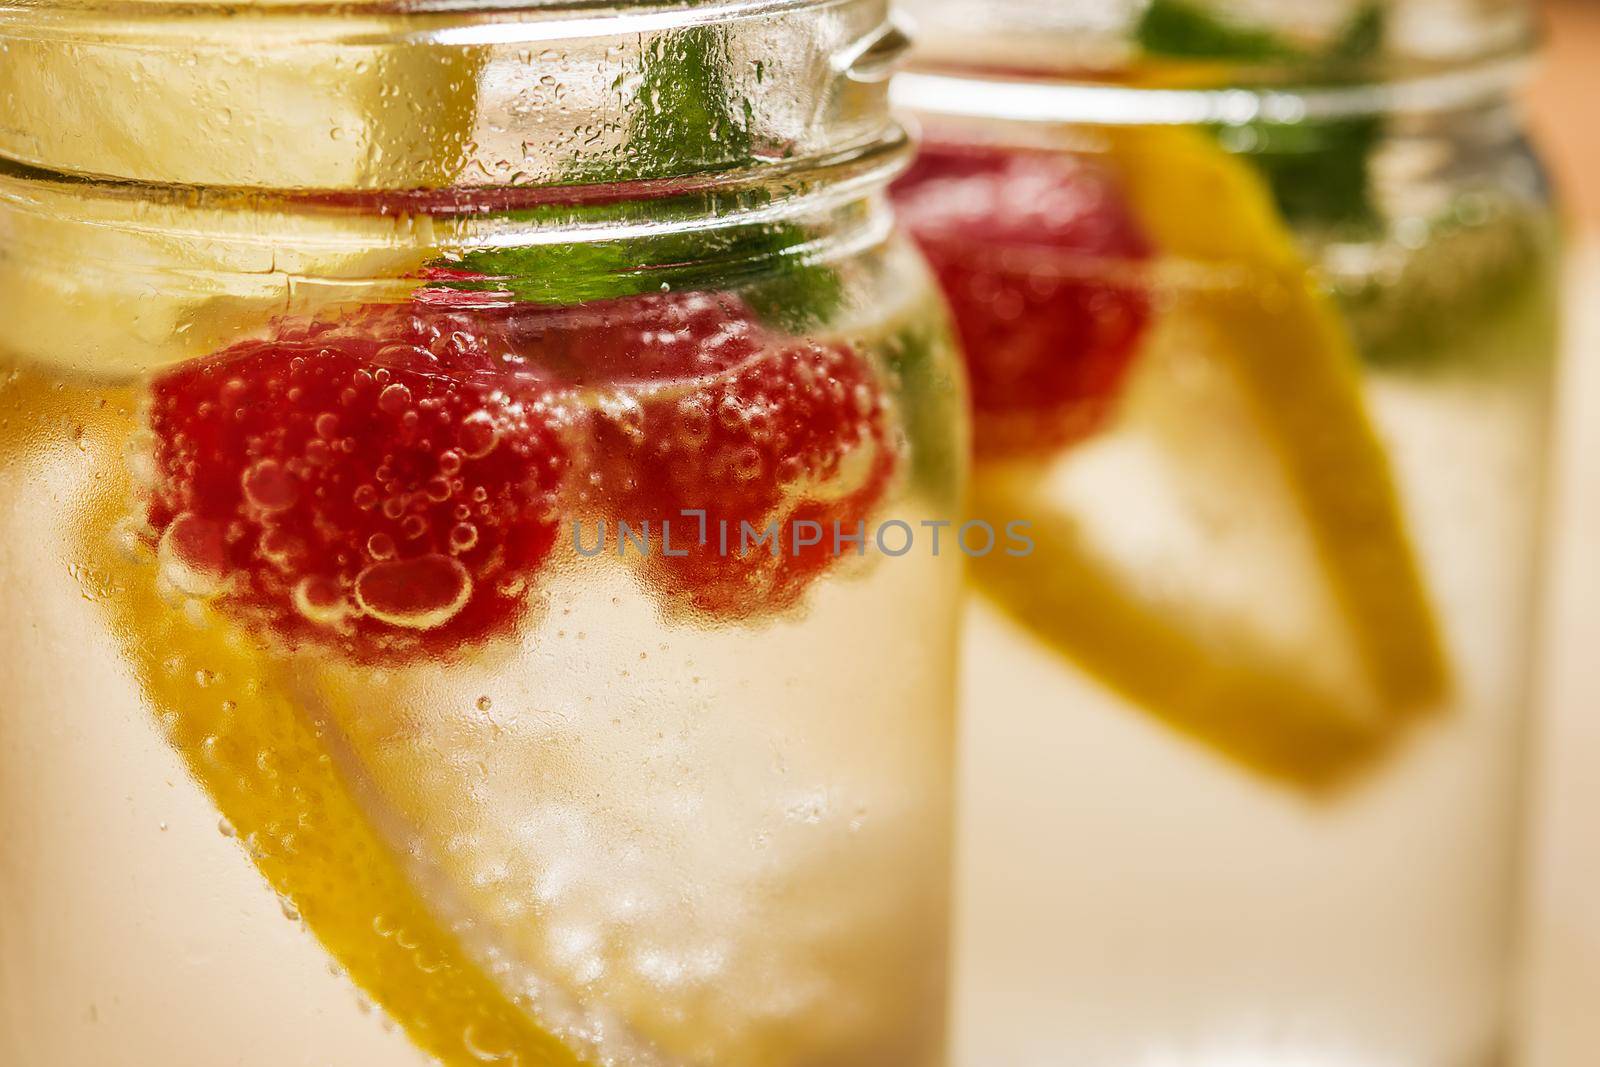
(685, 119)
(1319, 170)
(1184, 29)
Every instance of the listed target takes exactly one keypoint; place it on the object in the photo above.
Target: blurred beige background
(1564, 924)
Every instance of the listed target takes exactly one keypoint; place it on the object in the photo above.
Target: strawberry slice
(1036, 252)
(368, 484)
(705, 423)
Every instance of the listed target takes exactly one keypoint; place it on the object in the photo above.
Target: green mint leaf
(685, 119)
(765, 260)
(1319, 170)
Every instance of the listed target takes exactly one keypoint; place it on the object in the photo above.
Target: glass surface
(1262, 351)
(345, 722)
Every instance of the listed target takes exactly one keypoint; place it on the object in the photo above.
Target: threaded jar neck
(440, 94)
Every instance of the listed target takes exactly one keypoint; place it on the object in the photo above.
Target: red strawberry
(650, 339)
(367, 484)
(1034, 251)
(701, 409)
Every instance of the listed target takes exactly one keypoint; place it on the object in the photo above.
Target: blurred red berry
(1037, 253)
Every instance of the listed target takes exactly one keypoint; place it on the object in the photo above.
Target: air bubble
(269, 487)
(747, 464)
(486, 1043)
(192, 557)
(394, 398)
(278, 547)
(320, 601)
(463, 537)
(478, 435)
(415, 594)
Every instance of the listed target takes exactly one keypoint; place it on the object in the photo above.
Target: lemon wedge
(250, 99)
(561, 874)
(1232, 556)
(233, 716)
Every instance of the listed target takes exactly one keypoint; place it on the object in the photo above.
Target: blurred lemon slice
(253, 109)
(1232, 555)
(273, 773)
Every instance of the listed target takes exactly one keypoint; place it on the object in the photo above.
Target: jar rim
(1334, 58)
(690, 10)
(1024, 97)
(437, 94)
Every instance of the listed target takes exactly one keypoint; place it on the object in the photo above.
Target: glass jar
(455, 468)
(1258, 301)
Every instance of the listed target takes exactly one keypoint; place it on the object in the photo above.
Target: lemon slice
(120, 281)
(248, 99)
(1293, 632)
(231, 713)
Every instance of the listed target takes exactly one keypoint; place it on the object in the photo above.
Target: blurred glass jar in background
(1258, 304)
(344, 724)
